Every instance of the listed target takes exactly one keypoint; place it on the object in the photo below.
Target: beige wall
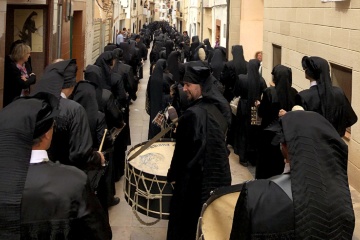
(207, 28)
(329, 30)
(246, 26)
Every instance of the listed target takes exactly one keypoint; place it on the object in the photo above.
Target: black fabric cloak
(18, 122)
(155, 95)
(129, 81)
(85, 94)
(173, 65)
(328, 100)
(246, 135)
(231, 70)
(72, 140)
(200, 164)
(57, 203)
(104, 61)
(217, 65)
(282, 96)
(322, 206)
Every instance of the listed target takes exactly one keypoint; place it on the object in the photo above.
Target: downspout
(59, 27)
(202, 19)
(228, 27)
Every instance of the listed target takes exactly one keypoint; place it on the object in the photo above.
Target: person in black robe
(41, 199)
(114, 119)
(249, 88)
(72, 140)
(106, 61)
(208, 49)
(217, 65)
(155, 95)
(194, 44)
(281, 96)
(85, 94)
(322, 97)
(200, 162)
(313, 201)
(232, 69)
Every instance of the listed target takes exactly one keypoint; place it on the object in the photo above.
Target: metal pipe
(202, 19)
(59, 27)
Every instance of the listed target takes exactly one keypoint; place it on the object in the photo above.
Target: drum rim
(215, 194)
(219, 192)
(127, 162)
(143, 143)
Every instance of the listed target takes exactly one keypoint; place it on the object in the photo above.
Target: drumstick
(102, 141)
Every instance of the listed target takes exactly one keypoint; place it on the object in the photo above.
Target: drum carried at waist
(217, 214)
(146, 188)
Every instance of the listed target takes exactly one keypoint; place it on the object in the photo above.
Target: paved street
(123, 222)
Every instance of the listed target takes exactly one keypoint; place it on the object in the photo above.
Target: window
(276, 55)
(342, 77)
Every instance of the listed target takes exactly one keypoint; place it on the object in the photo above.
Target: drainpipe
(202, 19)
(59, 27)
(228, 27)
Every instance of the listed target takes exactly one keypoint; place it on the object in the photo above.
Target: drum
(146, 188)
(217, 214)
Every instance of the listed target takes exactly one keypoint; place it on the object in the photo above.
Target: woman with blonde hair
(18, 73)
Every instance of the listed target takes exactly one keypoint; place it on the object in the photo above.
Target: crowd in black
(83, 110)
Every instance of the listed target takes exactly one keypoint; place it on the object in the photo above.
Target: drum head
(218, 214)
(154, 160)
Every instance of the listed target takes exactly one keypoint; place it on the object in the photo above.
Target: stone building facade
(331, 30)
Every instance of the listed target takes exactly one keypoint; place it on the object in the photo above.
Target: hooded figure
(72, 141)
(155, 95)
(324, 98)
(217, 65)
(33, 183)
(194, 44)
(249, 88)
(232, 69)
(200, 162)
(282, 96)
(105, 61)
(127, 74)
(313, 201)
(173, 65)
(208, 48)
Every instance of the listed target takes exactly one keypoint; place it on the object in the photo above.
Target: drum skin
(217, 214)
(146, 188)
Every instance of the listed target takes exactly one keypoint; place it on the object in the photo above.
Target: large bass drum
(146, 188)
(217, 214)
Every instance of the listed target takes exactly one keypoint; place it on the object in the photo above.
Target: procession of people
(63, 144)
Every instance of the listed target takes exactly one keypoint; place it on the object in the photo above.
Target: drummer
(200, 162)
(314, 200)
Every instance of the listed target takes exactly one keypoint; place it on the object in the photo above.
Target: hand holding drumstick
(100, 148)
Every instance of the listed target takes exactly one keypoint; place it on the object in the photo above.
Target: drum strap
(153, 140)
(284, 182)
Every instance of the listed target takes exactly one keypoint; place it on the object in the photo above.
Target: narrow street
(124, 223)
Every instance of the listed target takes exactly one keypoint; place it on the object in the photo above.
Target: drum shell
(216, 195)
(157, 204)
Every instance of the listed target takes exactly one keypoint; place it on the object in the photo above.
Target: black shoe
(245, 164)
(114, 202)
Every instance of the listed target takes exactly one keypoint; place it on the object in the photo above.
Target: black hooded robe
(321, 206)
(200, 144)
(282, 96)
